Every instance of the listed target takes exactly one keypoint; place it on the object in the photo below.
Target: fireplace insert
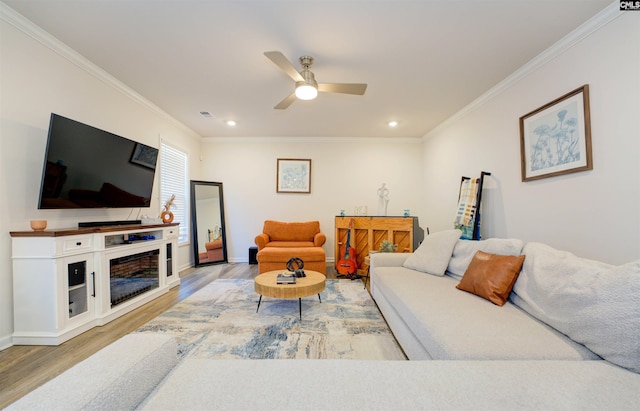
(133, 275)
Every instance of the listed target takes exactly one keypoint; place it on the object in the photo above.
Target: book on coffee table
(286, 279)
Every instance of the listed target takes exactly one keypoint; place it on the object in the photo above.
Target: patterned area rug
(220, 322)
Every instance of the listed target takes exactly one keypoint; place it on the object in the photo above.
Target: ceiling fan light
(306, 92)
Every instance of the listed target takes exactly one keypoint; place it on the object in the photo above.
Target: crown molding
(330, 140)
(35, 32)
(604, 17)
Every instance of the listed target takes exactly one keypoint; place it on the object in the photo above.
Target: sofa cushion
(289, 244)
(491, 276)
(594, 303)
(118, 377)
(453, 325)
(201, 384)
(433, 255)
(281, 254)
(296, 231)
(464, 251)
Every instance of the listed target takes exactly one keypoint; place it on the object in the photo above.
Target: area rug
(220, 322)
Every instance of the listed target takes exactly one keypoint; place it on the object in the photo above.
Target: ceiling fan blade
(345, 88)
(285, 65)
(286, 102)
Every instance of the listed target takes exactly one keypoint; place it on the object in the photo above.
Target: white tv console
(62, 281)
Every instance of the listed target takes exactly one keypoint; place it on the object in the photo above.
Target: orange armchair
(280, 241)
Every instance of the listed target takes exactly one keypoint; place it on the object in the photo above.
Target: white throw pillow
(432, 257)
(464, 251)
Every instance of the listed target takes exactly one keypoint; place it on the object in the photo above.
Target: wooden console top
(59, 232)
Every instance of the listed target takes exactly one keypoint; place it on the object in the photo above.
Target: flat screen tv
(85, 167)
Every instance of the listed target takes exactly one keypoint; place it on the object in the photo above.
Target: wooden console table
(369, 232)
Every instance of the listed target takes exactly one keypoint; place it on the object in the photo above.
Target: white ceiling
(423, 60)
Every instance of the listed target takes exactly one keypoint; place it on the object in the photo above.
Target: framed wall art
(555, 139)
(293, 175)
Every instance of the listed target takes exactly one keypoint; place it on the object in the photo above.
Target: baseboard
(50, 338)
(6, 342)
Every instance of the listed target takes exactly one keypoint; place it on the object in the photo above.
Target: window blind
(174, 180)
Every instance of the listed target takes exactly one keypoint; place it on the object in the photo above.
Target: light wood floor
(25, 367)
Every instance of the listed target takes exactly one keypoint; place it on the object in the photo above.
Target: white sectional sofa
(433, 320)
(568, 338)
(562, 308)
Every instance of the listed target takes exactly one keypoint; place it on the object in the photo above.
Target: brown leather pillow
(491, 276)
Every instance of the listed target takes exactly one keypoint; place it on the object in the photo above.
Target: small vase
(166, 216)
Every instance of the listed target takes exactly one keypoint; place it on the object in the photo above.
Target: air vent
(206, 114)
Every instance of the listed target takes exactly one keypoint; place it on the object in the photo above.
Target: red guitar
(347, 264)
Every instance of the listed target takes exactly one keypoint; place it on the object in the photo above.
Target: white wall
(344, 173)
(35, 82)
(594, 214)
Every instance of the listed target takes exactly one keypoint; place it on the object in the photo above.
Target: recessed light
(231, 123)
(393, 123)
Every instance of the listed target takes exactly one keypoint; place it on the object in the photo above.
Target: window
(174, 180)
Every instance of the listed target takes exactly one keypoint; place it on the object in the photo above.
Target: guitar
(347, 264)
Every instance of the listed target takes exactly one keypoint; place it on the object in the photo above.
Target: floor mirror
(207, 221)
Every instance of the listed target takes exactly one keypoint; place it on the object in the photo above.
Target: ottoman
(275, 258)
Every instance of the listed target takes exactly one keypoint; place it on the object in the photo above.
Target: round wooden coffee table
(266, 285)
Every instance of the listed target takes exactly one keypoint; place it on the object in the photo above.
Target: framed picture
(293, 176)
(555, 139)
(144, 155)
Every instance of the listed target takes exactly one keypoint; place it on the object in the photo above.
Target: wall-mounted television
(85, 167)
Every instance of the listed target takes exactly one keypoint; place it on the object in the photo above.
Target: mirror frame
(194, 223)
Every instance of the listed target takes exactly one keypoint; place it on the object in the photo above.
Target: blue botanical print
(555, 144)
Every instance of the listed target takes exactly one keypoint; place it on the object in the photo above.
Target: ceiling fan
(306, 86)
